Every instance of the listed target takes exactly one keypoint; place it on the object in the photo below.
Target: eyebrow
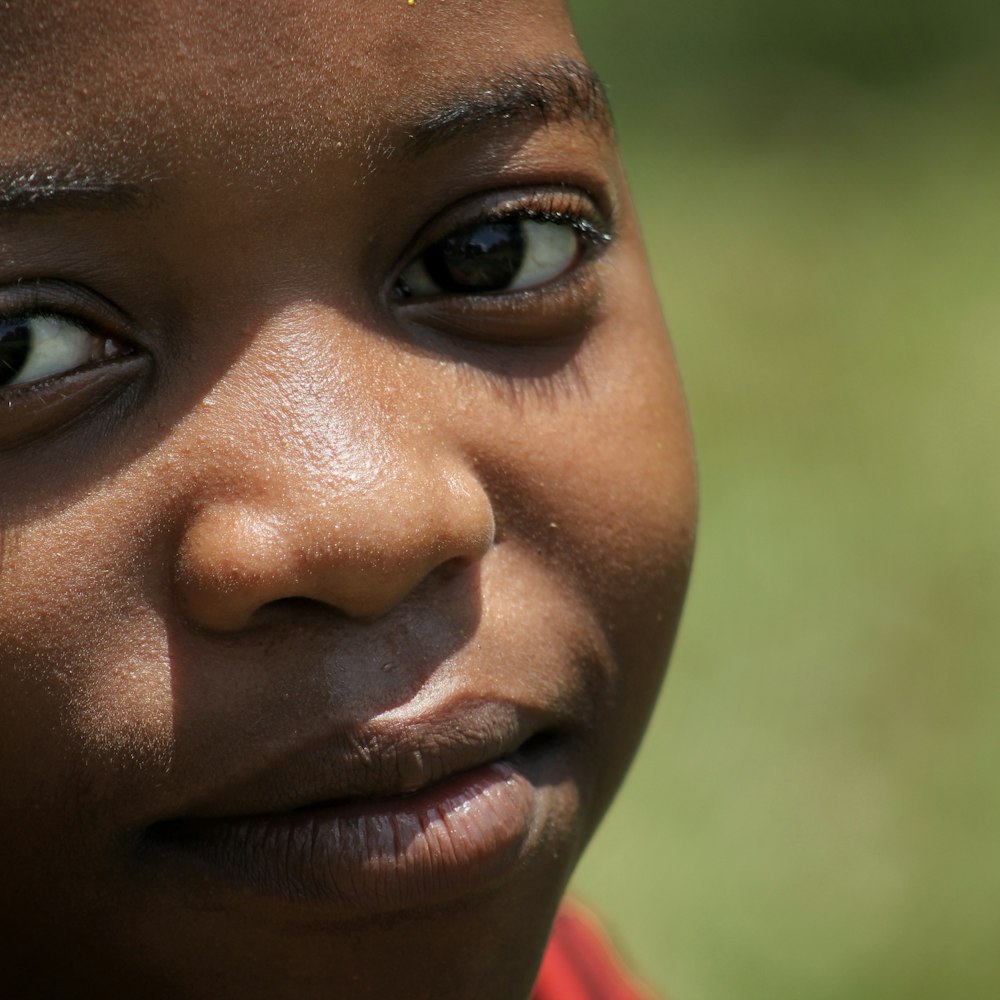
(60, 187)
(546, 93)
(550, 93)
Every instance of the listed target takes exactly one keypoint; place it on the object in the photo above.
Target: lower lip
(374, 855)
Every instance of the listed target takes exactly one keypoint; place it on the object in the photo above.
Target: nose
(355, 525)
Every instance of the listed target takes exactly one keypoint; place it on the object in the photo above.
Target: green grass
(816, 809)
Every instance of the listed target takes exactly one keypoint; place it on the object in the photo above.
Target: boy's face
(346, 497)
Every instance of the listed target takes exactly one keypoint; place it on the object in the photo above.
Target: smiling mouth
(387, 849)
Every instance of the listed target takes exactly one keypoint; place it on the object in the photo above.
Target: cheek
(78, 706)
(597, 487)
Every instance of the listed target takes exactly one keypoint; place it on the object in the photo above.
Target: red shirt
(580, 964)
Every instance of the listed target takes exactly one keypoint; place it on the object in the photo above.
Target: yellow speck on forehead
(411, 2)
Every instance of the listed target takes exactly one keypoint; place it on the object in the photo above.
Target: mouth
(416, 813)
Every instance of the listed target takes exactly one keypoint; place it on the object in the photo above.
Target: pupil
(482, 258)
(15, 346)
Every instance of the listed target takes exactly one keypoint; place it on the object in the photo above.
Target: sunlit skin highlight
(331, 611)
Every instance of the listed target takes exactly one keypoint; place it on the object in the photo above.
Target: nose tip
(361, 552)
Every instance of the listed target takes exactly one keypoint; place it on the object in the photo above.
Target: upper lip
(389, 756)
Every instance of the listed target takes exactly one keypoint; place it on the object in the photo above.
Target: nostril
(297, 603)
(452, 567)
(298, 606)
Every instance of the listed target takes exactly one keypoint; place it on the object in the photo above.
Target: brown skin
(301, 503)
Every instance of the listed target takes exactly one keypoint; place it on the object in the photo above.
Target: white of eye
(417, 281)
(550, 250)
(57, 346)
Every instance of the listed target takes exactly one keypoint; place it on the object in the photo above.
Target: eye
(509, 267)
(41, 346)
(494, 256)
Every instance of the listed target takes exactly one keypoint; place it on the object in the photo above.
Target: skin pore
(347, 495)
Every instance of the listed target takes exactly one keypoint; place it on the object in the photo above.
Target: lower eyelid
(37, 410)
(562, 310)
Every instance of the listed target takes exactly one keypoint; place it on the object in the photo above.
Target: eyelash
(561, 207)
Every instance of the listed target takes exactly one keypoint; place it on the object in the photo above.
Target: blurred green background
(816, 811)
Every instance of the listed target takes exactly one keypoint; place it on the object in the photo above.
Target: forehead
(170, 78)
